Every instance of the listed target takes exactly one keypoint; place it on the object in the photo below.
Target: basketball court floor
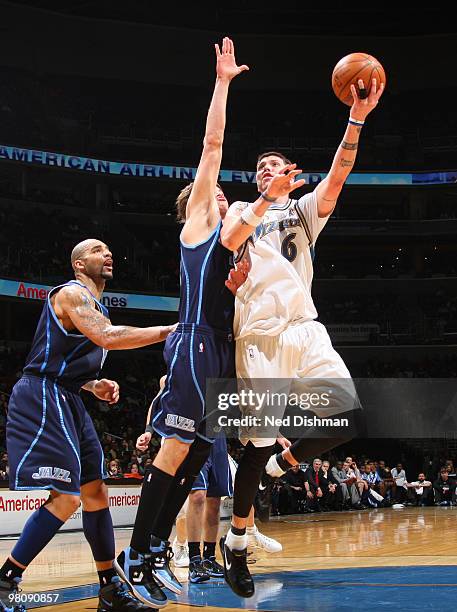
(385, 559)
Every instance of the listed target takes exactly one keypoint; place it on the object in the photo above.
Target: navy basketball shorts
(193, 354)
(51, 439)
(215, 477)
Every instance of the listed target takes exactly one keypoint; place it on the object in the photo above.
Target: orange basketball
(350, 69)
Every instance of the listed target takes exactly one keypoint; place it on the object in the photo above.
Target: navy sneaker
(197, 572)
(135, 569)
(213, 568)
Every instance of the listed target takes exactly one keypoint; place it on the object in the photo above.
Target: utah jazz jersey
(205, 300)
(202, 346)
(70, 359)
(51, 439)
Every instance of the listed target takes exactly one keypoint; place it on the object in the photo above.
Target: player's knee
(94, 495)
(65, 504)
(197, 500)
(195, 459)
(174, 451)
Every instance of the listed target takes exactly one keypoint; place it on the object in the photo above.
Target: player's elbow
(213, 141)
(105, 340)
(229, 241)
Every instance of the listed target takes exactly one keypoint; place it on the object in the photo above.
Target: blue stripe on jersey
(205, 484)
(54, 316)
(48, 343)
(67, 359)
(229, 479)
(175, 356)
(65, 431)
(37, 437)
(194, 246)
(187, 287)
(202, 273)
(192, 368)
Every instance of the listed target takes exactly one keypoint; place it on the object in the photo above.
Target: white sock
(235, 542)
(251, 530)
(272, 468)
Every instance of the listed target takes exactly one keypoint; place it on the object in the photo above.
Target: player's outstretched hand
(238, 275)
(143, 441)
(284, 182)
(361, 107)
(226, 67)
(106, 390)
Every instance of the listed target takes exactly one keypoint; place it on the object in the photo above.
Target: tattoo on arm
(243, 222)
(349, 146)
(346, 163)
(240, 206)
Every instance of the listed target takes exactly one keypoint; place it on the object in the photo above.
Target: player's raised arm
(330, 188)
(73, 303)
(202, 210)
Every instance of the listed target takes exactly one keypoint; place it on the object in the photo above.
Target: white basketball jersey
(281, 250)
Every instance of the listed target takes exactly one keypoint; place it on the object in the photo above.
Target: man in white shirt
(420, 491)
(401, 487)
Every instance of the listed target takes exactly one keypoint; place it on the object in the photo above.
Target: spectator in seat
(420, 492)
(134, 472)
(332, 491)
(314, 482)
(114, 470)
(387, 482)
(444, 489)
(294, 486)
(400, 483)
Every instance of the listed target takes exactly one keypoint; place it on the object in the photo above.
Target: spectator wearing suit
(315, 485)
(294, 488)
(333, 498)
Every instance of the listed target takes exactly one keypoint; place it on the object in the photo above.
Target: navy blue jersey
(70, 359)
(205, 300)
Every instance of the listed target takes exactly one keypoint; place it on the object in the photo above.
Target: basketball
(350, 69)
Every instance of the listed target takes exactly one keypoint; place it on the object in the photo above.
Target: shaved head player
(52, 443)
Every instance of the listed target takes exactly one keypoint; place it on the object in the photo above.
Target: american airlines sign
(35, 291)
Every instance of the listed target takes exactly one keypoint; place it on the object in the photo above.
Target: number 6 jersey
(281, 251)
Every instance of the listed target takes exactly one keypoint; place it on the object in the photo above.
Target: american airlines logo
(180, 422)
(40, 292)
(52, 473)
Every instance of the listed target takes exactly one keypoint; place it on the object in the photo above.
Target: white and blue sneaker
(135, 569)
(160, 557)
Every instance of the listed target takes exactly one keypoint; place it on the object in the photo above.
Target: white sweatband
(356, 121)
(249, 217)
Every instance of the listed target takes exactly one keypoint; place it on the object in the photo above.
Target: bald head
(93, 258)
(82, 249)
